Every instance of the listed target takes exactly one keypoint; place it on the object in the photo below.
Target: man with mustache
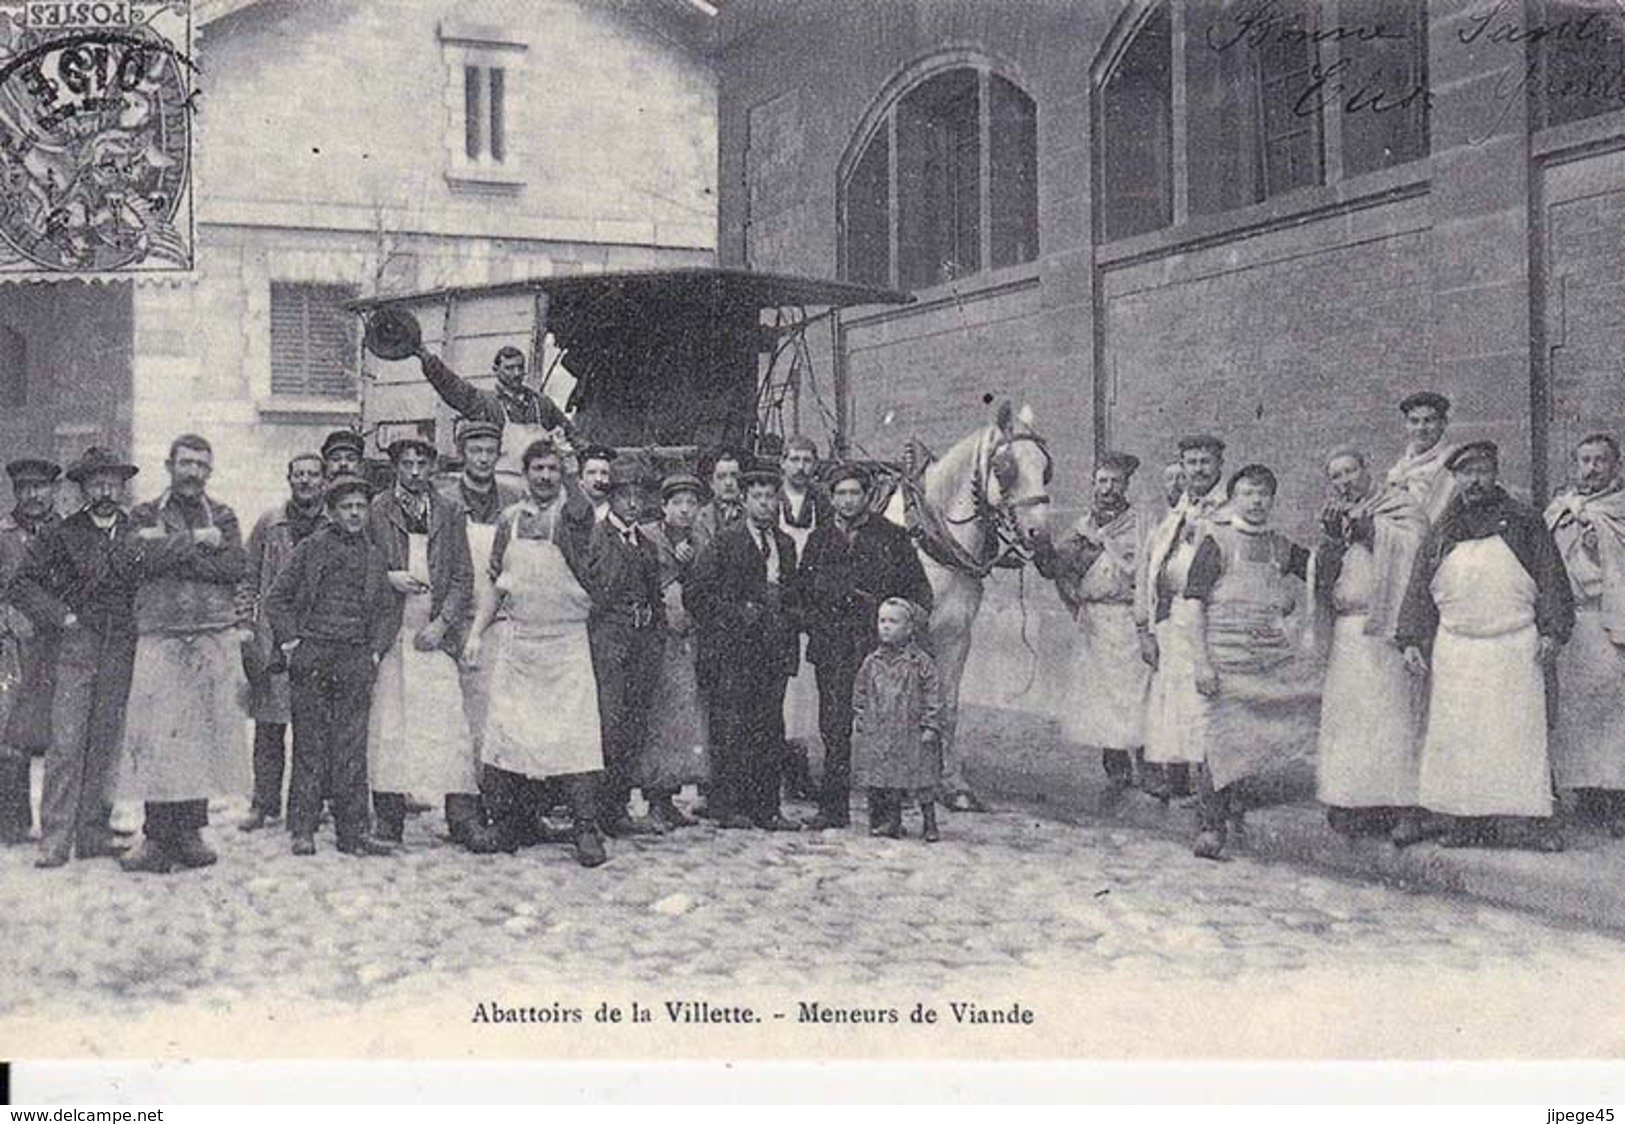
(77, 584)
(183, 732)
(1372, 711)
(270, 545)
(1488, 607)
(344, 453)
(25, 709)
(1588, 736)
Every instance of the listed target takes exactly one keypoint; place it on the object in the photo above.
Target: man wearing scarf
(1488, 606)
(1372, 710)
(183, 733)
(1421, 471)
(1172, 736)
(27, 657)
(1094, 567)
(1588, 732)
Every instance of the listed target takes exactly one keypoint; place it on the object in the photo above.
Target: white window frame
(488, 48)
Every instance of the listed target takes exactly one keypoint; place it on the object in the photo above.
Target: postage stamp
(95, 138)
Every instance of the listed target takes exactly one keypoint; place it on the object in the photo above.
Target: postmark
(96, 102)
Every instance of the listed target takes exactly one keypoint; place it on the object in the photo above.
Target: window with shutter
(313, 340)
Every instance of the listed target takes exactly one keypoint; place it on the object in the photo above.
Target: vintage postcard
(816, 529)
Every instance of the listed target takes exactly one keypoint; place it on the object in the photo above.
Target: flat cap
(849, 470)
(344, 439)
(761, 472)
(473, 428)
(1126, 463)
(343, 484)
(412, 441)
(625, 473)
(1473, 452)
(1201, 441)
(33, 470)
(1431, 399)
(597, 453)
(680, 482)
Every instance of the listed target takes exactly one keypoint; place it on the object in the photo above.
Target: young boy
(897, 724)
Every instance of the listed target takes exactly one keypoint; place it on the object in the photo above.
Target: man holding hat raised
(1487, 609)
(25, 701)
(853, 562)
(418, 740)
(77, 584)
(332, 616)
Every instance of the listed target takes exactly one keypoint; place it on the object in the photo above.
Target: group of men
(1452, 658)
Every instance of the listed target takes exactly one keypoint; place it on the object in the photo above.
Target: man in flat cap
(595, 462)
(418, 740)
(1094, 566)
(270, 545)
(1421, 469)
(344, 453)
(27, 658)
(1487, 609)
(1163, 617)
(1587, 520)
(746, 596)
(675, 750)
(853, 562)
(77, 584)
(332, 616)
(625, 629)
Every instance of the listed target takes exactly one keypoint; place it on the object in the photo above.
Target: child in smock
(897, 724)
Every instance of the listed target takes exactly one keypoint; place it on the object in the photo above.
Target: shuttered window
(313, 340)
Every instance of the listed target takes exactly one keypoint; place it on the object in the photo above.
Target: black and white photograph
(1084, 530)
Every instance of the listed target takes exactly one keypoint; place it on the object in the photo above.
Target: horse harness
(1003, 546)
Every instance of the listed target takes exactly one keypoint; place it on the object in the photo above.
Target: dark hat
(625, 473)
(1201, 441)
(1424, 398)
(343, 484)
(473, 428)
(680, 482)
(344, 439)
(96, 460)
(1126, 463)
(761, 472)
(597, 453)
(849, 470)
(33, 470)
(412, 441)
(1473, 451)
(392, 333)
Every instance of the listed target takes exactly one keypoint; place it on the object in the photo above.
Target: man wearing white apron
(803, 508)
(418, 739)
(1162, 616)
(543, 721)
(1487, 609)
(1420, 471)
(1588, 733)
(1094, 568)
(1372, 710)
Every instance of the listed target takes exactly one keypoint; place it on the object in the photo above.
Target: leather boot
(589, 846)
(928, 812)
(149, 857)
(190, 851)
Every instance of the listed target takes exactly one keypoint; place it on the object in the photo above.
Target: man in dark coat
(511, 401)
(747, 600)
(853, 562)
(344, 453)
(25, 702)
(78, 584)
(621, 573)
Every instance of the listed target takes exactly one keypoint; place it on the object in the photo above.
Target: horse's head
(1019, 471)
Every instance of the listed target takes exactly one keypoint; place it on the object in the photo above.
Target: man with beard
(1487, 609)
(418, 739)
(1163, 618)
(270, 545)
(1372, 710)
(25, 704)
(344, 453)
(184, 730)
(1094, 568)
(77, 584)
(746, 597)
(853, 563)
(726, 507)
(1421, 471)
(595, 466)
(1588, 735)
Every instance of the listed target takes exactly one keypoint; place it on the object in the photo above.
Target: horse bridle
(1000, 518)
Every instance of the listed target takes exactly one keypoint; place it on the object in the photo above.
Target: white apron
(1485, 752)
(1372, 711)
(543, 715)
(801, 692)
(1588, 735)
(417, 736)
(516, 438)
(477, 682)
(1109, 684)
(1174, 714)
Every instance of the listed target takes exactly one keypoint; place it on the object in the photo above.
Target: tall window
(485, 114)
(1577, 62)
(313, 340)
(485, 104)
(13, 369)
(946, 185)
(1262, 85)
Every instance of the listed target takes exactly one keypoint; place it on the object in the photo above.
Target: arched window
(13, 369)
(945, 184)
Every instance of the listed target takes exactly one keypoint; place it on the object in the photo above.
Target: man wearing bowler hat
(77, 585)
(26, 658)
(625, 629)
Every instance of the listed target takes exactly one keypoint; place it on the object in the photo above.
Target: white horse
(981, 505)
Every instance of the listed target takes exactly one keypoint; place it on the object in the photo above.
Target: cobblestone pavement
(1004, 896)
